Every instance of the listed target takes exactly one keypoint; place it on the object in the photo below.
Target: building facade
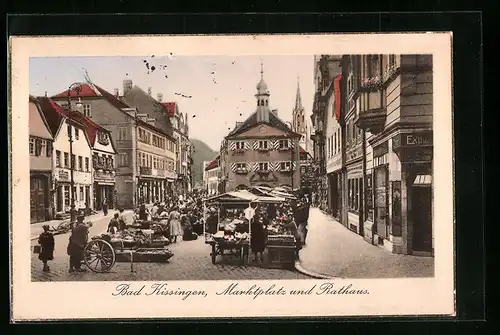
(261, 151)
(211, 176)
(136, 181)
(40, 149)
(64, 163)
(395, 98)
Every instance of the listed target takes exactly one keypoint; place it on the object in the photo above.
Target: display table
(281, 251)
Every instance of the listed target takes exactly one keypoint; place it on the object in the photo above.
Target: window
(335, 143)
(32, 146)
(328, 145)
(66, 160)
(354, 189)
(285, 166)
(81, 193)
(66, 196)
(77, 133)
(58, 158)
(87, 164)
(155, 161)
(392, 60)
(263, 144)
(73, 161)
(80, 163)
(241, 166)
(122, 133)
(240, 145)
(284, 144)
(123, 159)
(43, 147)
(374, 70)
(264, 166)
(87, 110)
(87, 194)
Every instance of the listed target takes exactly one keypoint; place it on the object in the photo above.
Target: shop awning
(105, 183)
(423, 180)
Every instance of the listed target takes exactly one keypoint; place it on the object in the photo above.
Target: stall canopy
(244, 197)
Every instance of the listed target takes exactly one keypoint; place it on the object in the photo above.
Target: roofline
(232, 136)
(35, 101)
(153, 128)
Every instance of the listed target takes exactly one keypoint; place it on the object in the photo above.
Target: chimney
(275, 112)
(127, 86)
(117, 93)
(159, 97)
(150, 91)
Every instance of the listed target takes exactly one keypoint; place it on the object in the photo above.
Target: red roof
(85, 91)
(212, 165)
(302, 150)
(170, 107)
(49, 106)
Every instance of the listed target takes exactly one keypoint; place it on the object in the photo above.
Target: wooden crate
(281, 256)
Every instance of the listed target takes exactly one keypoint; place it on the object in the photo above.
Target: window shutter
(50, 148)
(38, 147)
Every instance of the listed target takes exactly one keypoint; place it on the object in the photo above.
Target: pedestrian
(114, 224)
(105, 206)
(175, 224)
(257, 237)
(154, 211)
(143, 213)
(47, 244)
(77, 242)
(122, 222)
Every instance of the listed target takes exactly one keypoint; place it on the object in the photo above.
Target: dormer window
(87, 110)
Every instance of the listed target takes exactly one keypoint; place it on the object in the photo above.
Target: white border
(61, 300)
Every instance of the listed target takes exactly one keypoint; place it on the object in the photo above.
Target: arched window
(258, 102)
(267, 102)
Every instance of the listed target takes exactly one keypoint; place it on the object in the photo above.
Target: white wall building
(81, 160)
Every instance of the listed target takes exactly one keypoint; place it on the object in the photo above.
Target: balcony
(104, 175)
(372, 111)
(102, 164)
(241, 171)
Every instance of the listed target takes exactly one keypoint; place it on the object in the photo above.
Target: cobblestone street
(335, 251)
(191, 261)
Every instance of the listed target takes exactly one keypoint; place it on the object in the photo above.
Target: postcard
(231, 176)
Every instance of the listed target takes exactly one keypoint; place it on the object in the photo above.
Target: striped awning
(422, 180)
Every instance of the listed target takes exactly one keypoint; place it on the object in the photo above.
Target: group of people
(259, 217)
(76, 244)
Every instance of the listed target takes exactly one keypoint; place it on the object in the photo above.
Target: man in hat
(77, 242)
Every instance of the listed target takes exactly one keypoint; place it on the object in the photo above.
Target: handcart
(103, 251)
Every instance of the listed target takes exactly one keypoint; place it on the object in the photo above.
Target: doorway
(422, 219)
(381, 202)
(60, 198)
(38, 188)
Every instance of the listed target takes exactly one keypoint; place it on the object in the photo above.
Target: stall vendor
(143, 213)
(257, 238)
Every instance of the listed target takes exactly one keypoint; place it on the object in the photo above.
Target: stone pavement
(37, 228)
(335, 251)
(191, 261)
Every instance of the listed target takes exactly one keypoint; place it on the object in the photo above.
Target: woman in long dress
(175, 224)
(257, 238)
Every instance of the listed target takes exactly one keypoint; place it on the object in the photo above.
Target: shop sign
(63, 175)
(420, 139)
(381, 149)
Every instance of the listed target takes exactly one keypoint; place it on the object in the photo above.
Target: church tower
(262, 97)
(299, 121)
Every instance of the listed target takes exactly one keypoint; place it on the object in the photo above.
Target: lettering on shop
(417, 140)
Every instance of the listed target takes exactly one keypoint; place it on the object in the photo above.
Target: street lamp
(72, 164)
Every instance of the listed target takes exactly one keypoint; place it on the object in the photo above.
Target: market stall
(281, 242)
(135, 243)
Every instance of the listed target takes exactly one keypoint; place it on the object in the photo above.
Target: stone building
(211, 176)
(395, 108)
(261, 151)
(145, 154)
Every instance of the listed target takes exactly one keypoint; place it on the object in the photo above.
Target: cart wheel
(99, 256)
(213, 254)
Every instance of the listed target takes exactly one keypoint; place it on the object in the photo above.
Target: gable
(262, 131)
(37, 125)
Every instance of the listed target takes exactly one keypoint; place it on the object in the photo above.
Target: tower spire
(261, 70)
(298, 98)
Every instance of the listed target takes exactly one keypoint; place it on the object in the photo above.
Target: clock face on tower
(262, 129)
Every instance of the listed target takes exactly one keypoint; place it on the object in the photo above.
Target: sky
(215, 91)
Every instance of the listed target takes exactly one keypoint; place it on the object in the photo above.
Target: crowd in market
(183, 219)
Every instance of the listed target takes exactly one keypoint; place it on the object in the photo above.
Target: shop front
(152, 186)
(415, 152)
(104, 188)
(40, 205)
(334, 175)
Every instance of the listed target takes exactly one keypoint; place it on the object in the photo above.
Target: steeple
(262, 97)
(298, 99)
